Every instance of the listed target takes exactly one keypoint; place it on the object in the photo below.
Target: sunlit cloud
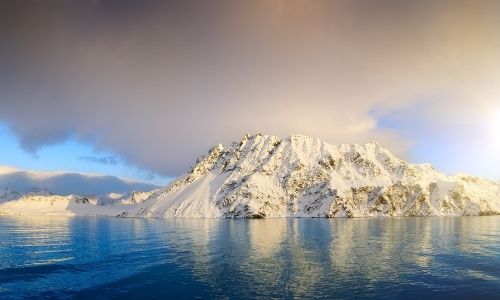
(159, 82)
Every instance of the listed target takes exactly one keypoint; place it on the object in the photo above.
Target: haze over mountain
(300, 176)
(67, 183)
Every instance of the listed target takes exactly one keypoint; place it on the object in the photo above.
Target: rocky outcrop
(301, 176)
(265, 176)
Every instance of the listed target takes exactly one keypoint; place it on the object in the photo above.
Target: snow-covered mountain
(300, 176)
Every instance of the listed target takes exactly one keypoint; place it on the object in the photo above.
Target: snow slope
(300, 176)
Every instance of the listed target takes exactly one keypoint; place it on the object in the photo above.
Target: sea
(147, 258)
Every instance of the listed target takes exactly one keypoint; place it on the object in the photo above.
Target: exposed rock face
(265, 176)
(301, 176)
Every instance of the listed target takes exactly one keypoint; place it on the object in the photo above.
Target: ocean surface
(134, 258)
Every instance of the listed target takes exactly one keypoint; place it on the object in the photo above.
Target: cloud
(159, 82)
(103, 160)
(67, 183)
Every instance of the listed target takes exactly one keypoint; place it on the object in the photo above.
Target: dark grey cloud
(103, 160)
(69, 183)
(159, 82)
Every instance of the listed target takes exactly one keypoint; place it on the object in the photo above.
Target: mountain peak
(303, 176)
(267, 176)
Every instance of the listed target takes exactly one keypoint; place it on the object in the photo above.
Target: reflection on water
(105, 258)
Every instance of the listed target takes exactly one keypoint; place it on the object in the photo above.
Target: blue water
(103, 258)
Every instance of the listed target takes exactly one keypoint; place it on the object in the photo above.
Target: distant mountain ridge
(64, 183)
(265, 176)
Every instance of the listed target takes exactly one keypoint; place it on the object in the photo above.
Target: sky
(140, 89)
(70, 156)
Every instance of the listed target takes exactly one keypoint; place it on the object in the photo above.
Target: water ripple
(103, 258)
